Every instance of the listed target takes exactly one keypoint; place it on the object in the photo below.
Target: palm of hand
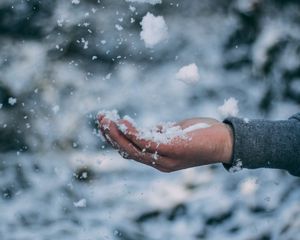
(200, 147)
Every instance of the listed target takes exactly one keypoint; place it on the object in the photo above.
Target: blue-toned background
(63, 62)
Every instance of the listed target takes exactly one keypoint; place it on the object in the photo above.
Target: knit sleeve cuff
(264, 143)
(235, 164)
(251, 143)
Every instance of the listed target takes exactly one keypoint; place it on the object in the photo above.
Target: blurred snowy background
(62, 61)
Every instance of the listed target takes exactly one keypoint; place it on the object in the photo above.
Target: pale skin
(202, 146)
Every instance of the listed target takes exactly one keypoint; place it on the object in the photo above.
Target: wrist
(227, 144)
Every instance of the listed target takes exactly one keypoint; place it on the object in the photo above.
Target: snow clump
(229, 108)
(188, 74)
(168, 132)
(75, 2)
(80, 204)
(56, 109)
(154, 30)
(12, 101)
(163, 134)
(112, 115)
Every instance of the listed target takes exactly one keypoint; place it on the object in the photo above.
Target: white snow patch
(246, 120)
(75, 2)
(123, 128)
(271, 35)
(237, 167)
(188, 74)
(12, 101)
(60, 22)
(166, 133)
(154, 30)
(108, 76)
(80, 204)
(196, 127)
(55, 109)
(132, 9)
(249, 186)
(84, 175)
(246, 5)
(85, 43)
(111, 115)
(229, 108)
(153, 2)
(118, 27)
(129, 119)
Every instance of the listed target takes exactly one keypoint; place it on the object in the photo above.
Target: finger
(128, 150)
(104, 127)
(100, 117)
(161, 163)
(104, 135)
(132, 134)
(126, 147)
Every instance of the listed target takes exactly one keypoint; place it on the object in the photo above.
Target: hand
(201, 146)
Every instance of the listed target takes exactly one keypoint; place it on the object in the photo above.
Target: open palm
(201, 146)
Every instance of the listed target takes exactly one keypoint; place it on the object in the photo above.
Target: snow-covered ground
(63, 61)
(101, 196)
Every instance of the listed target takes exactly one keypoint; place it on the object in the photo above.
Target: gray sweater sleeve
(267, 144)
